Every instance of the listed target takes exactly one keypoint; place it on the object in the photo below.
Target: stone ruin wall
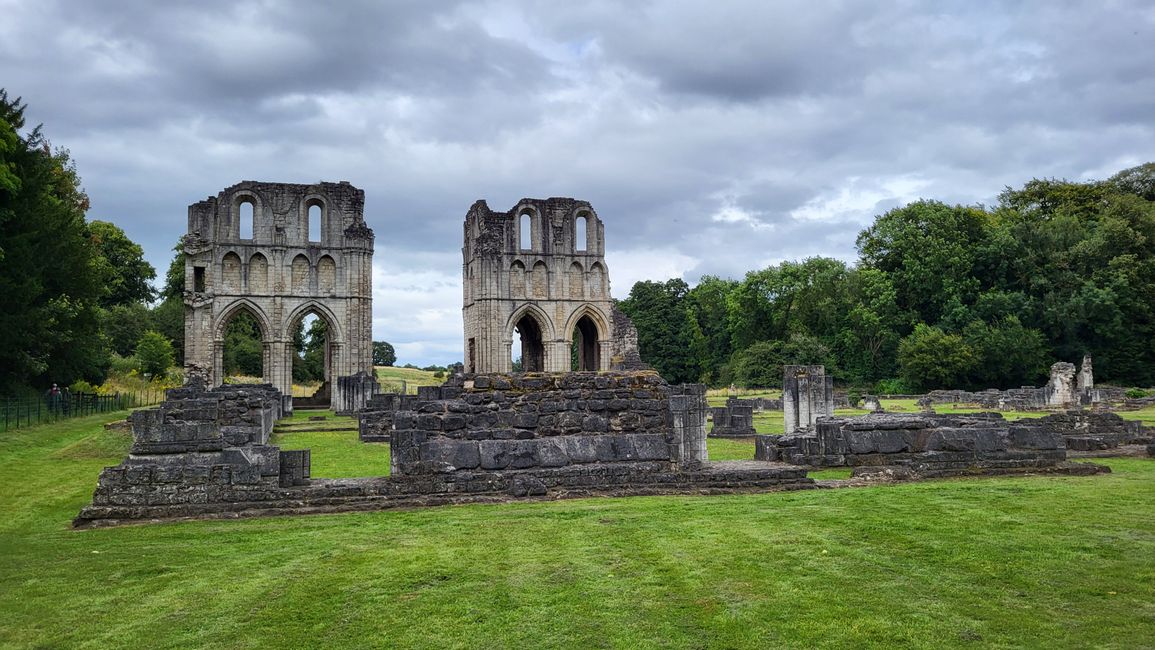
(278, 276)
(924, 445)
(1065, 389)
(807, 394)
(554, 281)
(498, 422)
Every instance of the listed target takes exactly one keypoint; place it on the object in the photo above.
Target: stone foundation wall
(736, 419)
(924, 442)
(516, 421)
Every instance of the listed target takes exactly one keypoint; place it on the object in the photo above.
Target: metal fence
(24, 412)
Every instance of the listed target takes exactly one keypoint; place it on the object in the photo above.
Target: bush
(155, 354)
(893, 386)
(124, 366)
(1137, 393)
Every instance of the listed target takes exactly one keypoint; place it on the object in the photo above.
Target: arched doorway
(312, 357)
(585, 351)
(241, 349)
(532, 348)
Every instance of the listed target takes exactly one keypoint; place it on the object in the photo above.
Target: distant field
(390, 378)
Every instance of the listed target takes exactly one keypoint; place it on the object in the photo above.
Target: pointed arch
(299, 274)
(587, 330)
(539, 281)
(517, 280)
(239, 305)
(231, 273)
(326, 274)
(534, 328)
(258, 276)
(600, 320)
(323, 312)
(575, 281)
(597, 281)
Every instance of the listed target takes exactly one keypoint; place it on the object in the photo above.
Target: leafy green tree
(51, 278)
(383, 354)
(1007, 354)
(759, 365)
(709, 327)
(658, 310)
(154, 353)
(243, 351)
(930, 358)
(929, 251)
(124, 325)
(168, 319)
(127, 274)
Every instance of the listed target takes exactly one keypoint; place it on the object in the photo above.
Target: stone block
(442, 455)
(1034, 437)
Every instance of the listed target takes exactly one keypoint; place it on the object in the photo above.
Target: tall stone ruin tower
(537, 273)
(271, 268)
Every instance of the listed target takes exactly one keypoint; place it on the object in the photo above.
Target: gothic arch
(239, 305)
(319, 308)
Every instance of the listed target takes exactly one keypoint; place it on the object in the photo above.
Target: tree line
(941, 296)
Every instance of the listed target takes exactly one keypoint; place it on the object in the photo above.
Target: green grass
(1025, 562)
(391, 377)
(336, 454)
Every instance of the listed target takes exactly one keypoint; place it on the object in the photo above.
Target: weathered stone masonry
(538, 273)
(478, 438)
(279, 276)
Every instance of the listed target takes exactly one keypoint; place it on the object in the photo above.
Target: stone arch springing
(533, 328)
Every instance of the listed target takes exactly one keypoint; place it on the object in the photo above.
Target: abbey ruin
(583, 415)
(537, 274)
(299, 250)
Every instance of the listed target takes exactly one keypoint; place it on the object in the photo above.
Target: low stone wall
(1027, 398)
(735, 420)
(494, 422)
(925, 444)
(1093, 430)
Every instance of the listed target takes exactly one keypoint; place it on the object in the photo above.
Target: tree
(154, 353)
(51, 279)
(127, 274)
(929, 251)
(243, 351)
(383, 354)
(124, 325)
(658, 310)
(930, 358)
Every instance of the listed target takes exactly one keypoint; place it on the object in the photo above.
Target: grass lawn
(1024, 562)
(391, 377)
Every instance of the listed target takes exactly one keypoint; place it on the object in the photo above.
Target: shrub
(155, 354)
(1137, 393)
(893, 386)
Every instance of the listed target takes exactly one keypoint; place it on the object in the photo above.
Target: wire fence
(24, 412)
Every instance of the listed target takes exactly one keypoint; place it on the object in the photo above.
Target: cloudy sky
(711, 137)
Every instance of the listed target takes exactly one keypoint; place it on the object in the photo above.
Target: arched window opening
(243, 354)
(525, 232)
(584, 352)
(311, 358)
(314, 221)
(528, 346)
(247, 218)
(579, 236)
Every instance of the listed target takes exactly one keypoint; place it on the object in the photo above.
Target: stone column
(807, 394)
